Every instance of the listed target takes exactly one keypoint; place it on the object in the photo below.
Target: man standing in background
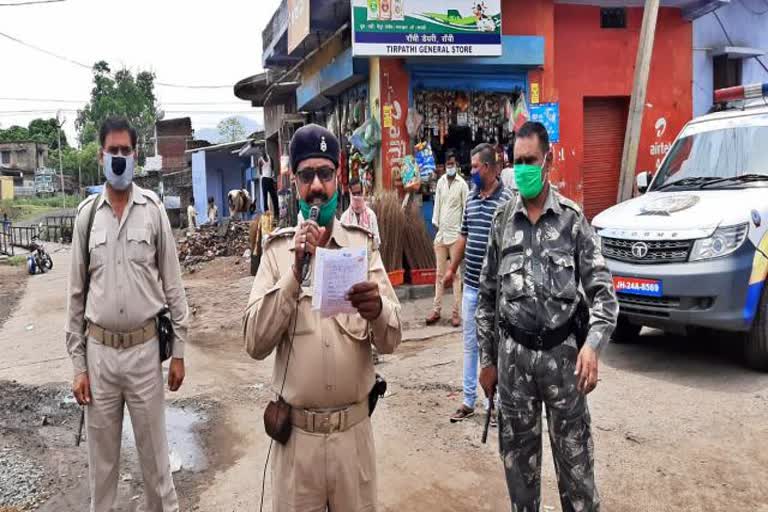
(191, 216)
(487, 195)
(450, 198)
(360, 214)
(267, 181)
(213, 212)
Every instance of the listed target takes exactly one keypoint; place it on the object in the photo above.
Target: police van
(692, 250)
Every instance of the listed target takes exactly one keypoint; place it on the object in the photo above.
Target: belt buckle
(325, 424)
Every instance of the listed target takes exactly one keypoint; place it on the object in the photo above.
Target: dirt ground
(679, 424)
(13, 280)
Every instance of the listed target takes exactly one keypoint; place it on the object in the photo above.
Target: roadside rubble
(209, 242)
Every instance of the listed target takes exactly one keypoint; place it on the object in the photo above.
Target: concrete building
(729, 47)
(20, 160)
(571, 61)
(218, 169)
(172, 137)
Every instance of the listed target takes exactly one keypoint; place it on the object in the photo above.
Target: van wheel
(756, 341)
(625, 332)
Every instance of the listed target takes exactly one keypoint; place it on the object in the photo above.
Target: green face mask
(528, 179)
(327, 210)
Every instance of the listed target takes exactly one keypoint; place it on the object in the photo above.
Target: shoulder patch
(86, 201)
(279, 234)
(359, 229)
(151, 196)
(569, 204)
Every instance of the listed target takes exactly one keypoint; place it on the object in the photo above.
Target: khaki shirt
(448, 213)
(331, 363)
(134, 271)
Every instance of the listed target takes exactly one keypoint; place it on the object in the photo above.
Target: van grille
(659, 251)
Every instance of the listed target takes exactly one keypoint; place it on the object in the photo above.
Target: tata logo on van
(640, 250)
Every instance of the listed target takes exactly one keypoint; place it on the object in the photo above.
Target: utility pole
(61, 167)
(79, 176)
(637, 104)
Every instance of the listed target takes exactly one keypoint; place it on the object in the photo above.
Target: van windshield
(736, 156)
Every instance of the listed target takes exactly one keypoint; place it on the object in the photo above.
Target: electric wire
(31, 2)
(282, 386)
(730, 41)
(88, 67)
(751, 10)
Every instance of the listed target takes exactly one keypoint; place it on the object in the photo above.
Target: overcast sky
(183, 42)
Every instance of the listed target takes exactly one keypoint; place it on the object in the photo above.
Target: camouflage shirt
(539, 269)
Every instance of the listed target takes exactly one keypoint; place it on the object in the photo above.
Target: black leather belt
(542, 340)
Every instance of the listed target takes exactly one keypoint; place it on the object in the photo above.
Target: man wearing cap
(323, 367)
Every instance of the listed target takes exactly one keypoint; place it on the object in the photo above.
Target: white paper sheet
(336, 271)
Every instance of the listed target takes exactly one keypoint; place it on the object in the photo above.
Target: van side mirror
(643, 180)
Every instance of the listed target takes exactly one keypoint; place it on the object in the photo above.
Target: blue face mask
(118, 170)
(477, 180)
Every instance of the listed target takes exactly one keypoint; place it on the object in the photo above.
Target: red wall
(590, 61)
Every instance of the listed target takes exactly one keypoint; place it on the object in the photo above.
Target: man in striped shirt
(486, 197)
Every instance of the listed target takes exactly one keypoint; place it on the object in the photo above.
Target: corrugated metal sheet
(605, 121)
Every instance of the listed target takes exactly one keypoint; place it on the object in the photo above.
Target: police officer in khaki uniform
(329, 460)
(111, 333)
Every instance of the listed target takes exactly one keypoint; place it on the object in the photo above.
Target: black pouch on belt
(277, 420)
(377, 391)
(580, 322)
(165, 334)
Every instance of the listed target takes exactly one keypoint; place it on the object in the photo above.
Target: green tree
(84, 161)
(120, 94)
(46, 131)
(43, 131)
(231, 130)
(14, 134)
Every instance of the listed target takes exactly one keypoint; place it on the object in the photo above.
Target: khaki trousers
(315, 472)
(442, 255)
(131, 376)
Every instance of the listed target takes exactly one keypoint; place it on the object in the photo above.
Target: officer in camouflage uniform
(541, 250)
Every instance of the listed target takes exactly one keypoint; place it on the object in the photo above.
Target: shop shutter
(605, 121)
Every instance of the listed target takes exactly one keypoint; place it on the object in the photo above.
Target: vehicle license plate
(637, 286)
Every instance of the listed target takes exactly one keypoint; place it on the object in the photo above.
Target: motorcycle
(38, 259)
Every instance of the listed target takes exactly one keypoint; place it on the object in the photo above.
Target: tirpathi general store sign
(426, 28)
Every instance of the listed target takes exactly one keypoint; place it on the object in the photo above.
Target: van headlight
(724, 241)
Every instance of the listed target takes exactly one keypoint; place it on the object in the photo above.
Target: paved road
(679, 424)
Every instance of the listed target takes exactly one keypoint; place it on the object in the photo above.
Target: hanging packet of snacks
(367, 138)
(409, 172)
(425, 159)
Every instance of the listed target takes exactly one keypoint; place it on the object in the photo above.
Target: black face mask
(118, 165)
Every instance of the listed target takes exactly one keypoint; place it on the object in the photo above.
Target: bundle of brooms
(417, 246)
(391, 219)
(403, 234)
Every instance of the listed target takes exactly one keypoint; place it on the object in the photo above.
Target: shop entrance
(460, 120)
(605, 122)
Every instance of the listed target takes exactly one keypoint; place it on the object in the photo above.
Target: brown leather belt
(122, 339)
(329, 422)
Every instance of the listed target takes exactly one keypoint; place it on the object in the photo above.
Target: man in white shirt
(267, 182)
(191, 216)
(359, 214)
(448, 213)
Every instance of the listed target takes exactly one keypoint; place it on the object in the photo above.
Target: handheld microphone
(314, 214)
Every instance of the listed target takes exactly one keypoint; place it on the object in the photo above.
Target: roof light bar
(741, 92)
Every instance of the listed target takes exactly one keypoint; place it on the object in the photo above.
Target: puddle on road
(184, 446)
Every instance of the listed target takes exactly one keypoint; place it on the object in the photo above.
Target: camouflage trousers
(526, 379)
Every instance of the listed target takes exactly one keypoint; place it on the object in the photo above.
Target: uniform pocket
(97, 248)
(512, 276)
(562, 275)
(139, 247)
